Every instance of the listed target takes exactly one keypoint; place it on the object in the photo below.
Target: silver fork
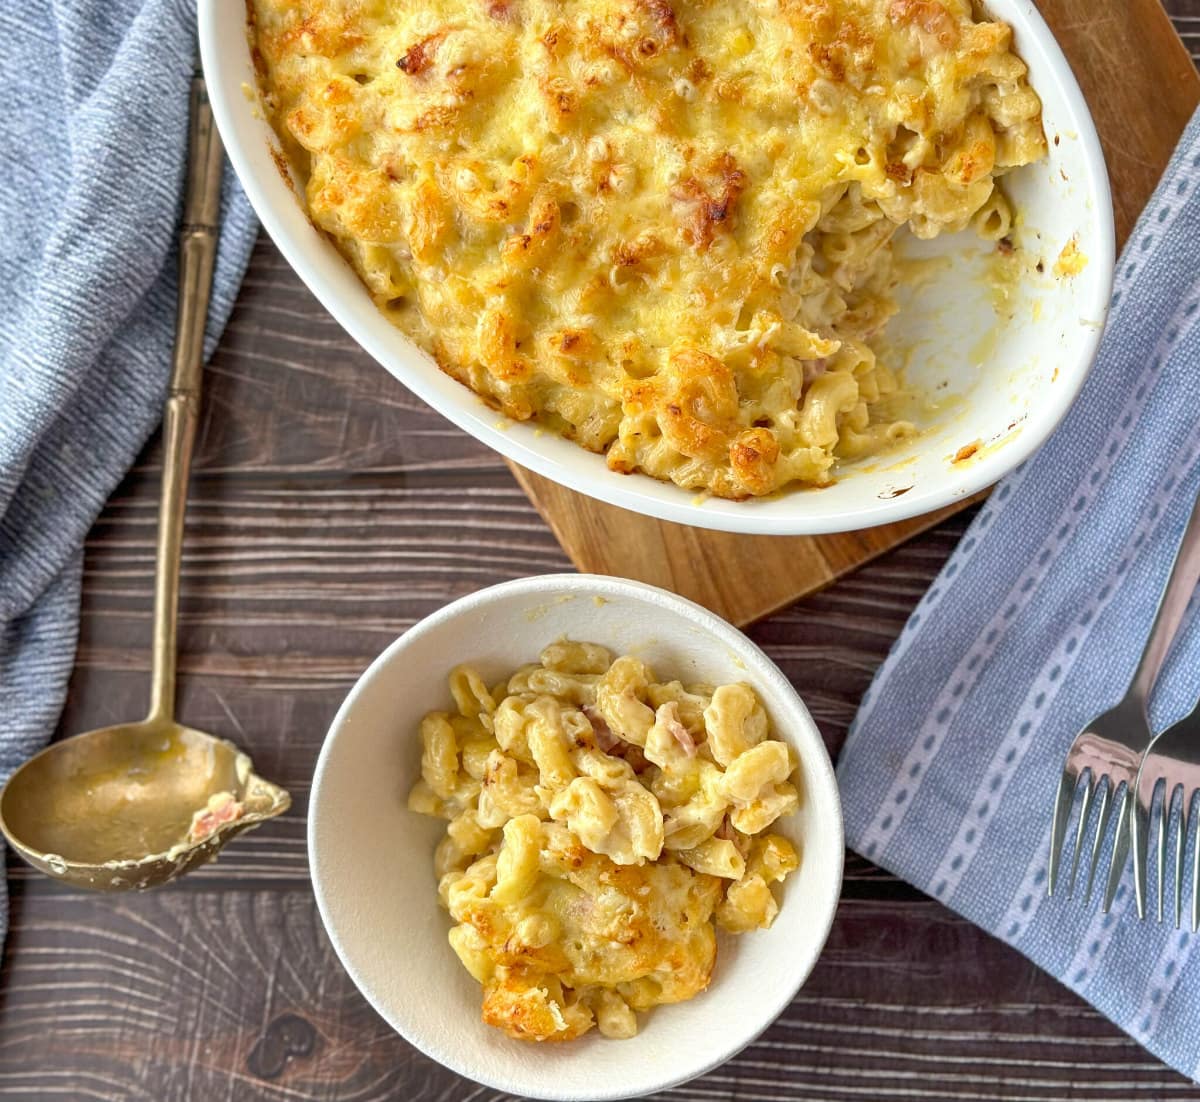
(1105, 756)
(1174, 759)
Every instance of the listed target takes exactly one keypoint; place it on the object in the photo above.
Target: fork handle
(1185, 572)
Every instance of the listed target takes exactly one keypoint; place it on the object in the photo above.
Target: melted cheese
(599, 824)
(660, 227)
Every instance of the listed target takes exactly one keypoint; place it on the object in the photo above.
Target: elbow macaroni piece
(590, 849)
(662, 228)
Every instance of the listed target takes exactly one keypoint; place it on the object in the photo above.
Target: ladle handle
(197, 257)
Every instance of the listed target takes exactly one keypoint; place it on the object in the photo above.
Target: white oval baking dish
(1003, 378)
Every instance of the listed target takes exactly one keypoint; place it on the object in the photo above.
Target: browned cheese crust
(660, 227)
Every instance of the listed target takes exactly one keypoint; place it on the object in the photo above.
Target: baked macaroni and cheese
(659, 227)
(599, 822)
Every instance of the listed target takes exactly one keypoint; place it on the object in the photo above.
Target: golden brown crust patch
(710, 200)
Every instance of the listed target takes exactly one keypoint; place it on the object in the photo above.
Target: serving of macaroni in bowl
(576, 809)
(598, 821)
(653, 248)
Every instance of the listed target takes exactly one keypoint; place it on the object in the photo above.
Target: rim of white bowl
(818, 773)
(640, 493)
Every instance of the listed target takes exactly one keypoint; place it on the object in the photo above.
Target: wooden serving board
(1142, 87)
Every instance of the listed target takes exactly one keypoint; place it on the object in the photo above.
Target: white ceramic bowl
(1011, 378)
(372, 859)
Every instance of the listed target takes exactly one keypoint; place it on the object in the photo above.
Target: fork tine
(1196, 877)
(1181, 825)
(1160, 848)
(1105, 790)
(1063, 802)
(1139, 829)
(1120, 853)
(1084, 807)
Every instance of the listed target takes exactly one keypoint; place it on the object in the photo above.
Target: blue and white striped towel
(1035, 624)
(93, 133)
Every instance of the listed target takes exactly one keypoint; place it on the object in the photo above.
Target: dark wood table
(330, 510)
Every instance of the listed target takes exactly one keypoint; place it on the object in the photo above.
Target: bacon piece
(605, 739)
(220, 810)
(710, 210)
(740, 841)
(419, 56)
(668, 716)
(632, 754)
(614, 744)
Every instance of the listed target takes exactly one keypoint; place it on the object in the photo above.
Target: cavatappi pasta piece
(619, 700)
(565, 657)
(439, 757)
(517, 861)
(690, 700)
(749, 902)
(471, 695)
(753, 771)
(734, 722)
(599, 822)
(549, 743)
(717, 857)
(662, 228)
(509, 787)
(588, 811)
(614, 1016)
(635, 827)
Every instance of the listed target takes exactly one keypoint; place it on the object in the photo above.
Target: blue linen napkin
(1034, 625)
(93, 136)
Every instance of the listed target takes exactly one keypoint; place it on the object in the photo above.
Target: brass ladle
(138, 804)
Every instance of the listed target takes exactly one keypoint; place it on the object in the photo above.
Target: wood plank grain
(1141, 87)
(182, 995)
(743, 578)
